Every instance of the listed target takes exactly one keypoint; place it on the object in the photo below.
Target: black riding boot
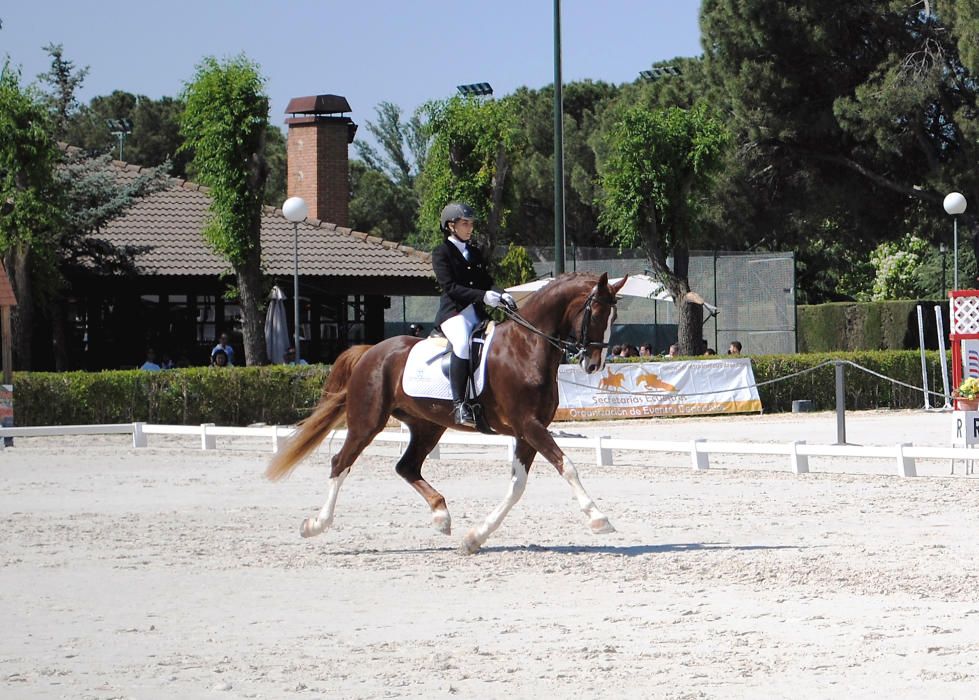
(458, 376)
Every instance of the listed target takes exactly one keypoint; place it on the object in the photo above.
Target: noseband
(576, 346)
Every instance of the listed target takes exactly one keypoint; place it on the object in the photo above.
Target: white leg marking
(314, 526)
(442, 521)
(477, 537)
(597, 521)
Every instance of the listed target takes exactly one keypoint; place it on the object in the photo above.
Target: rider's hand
(509, 301)
(492, 298)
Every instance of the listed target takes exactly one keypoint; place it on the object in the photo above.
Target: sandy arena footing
(171, 572)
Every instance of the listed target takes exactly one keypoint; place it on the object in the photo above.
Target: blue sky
(405, 52)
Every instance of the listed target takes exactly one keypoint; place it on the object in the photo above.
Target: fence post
(840, 404)
(905, 465)
(275, 439)
(799, 463)
(603, 455)
(700, 460)
(941, 354)
(924, 363)
(139, 437)
(208, 442)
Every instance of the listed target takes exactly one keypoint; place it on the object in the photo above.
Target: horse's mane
(573, 282)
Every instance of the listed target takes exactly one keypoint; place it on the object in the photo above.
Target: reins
(577, 347)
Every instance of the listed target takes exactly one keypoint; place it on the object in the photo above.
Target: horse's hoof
(442, 522)
(470, 545)
(311, 527)
(601, 526)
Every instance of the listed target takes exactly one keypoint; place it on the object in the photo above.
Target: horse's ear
(603, 280)
(618, 285)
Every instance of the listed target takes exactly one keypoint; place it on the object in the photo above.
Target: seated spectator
(150, 364)
(645, 350)
(616, 351)
(674, 350)
(629, 351)
(222, 346)
(290, 358)
(734, 348)
(416, 330)
(219, 358)
(710, 351)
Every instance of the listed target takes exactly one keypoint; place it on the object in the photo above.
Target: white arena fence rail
(902, 455)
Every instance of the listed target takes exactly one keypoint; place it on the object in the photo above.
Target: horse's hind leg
(424, 437)
(523, 457)
(358, 438)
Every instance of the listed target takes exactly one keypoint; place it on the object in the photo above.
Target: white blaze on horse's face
(587, 362)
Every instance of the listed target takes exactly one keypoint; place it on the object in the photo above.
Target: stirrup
(462, 413)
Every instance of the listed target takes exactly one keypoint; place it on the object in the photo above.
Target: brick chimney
(317, 168)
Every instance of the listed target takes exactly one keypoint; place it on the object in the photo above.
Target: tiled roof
(163, 233)
(7, 297)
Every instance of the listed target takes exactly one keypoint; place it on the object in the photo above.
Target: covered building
(175, 294)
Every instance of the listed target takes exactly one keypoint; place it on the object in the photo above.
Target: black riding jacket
(463, 282)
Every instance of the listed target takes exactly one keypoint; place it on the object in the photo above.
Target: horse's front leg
(523, 457)
(538, 436)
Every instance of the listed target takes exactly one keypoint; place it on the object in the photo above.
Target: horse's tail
(327, 414)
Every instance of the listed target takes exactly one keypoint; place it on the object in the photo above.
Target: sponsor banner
(970, 358)
(643, 390)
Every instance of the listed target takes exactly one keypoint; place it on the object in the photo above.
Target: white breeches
(458, 329)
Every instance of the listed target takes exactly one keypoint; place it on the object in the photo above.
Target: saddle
(434, 352)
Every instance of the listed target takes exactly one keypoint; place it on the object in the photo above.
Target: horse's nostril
(592, 367)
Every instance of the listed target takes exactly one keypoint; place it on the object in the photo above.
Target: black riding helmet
(454, 211)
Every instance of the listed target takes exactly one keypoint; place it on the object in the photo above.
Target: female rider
(467, 289)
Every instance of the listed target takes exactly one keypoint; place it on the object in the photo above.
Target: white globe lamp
(955, 204)
(295, 209)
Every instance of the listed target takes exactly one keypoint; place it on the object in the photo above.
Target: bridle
(575, 346)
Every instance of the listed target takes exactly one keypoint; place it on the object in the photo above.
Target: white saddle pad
(423, 376)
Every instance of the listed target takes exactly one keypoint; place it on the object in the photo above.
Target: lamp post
(295, 210)
(943, 249)
(955, 204)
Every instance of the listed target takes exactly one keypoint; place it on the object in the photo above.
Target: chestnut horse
(574, 312)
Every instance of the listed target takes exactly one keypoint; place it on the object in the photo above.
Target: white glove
(492, 298)
(509, 301)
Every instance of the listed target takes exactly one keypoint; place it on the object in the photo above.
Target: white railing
(902, 455)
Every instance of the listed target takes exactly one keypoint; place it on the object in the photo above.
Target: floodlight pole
(558, 147)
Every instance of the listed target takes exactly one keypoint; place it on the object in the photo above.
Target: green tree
(225, 123)
(656, 178)
(851, 120)
(473, 142)
(515, 267)
(90, 194)
(275, 160)
(384, 198)
(155, 137)
(896, 264)
(404, 145)
(531, 221)
(29, 213)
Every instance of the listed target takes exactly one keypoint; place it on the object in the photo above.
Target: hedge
(283, 395)
(276, 394)
(854, 326)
